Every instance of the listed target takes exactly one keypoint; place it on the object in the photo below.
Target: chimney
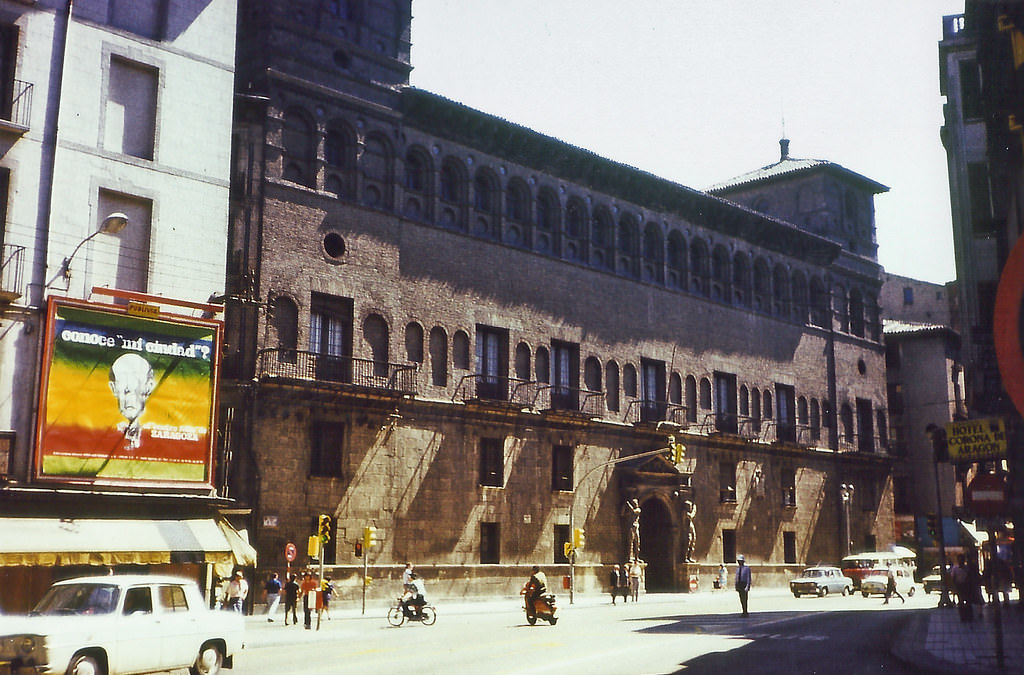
(784, 147)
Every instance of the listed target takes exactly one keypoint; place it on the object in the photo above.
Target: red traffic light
(359, 549)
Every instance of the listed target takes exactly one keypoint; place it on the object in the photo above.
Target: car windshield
(79, 599)
(814, 573)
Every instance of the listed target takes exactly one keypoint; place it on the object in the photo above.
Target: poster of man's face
(132, 381)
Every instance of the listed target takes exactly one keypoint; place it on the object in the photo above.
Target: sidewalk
(938, 642)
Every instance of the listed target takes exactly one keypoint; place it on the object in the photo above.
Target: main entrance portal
(656, 546)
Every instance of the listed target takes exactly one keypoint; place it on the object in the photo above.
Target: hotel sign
(974, 440)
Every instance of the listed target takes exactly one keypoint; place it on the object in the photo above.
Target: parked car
(875, 582)
(932, 582)
(821, 581)
(108, 625)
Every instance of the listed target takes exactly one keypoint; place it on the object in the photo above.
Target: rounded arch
(602, 241)
(298, 143)
(592, 374)
(460, 350)
(375, 335)
(627, 246)
(438, 346)
(691, 399)
(629, 381)
(418, 182)
(856, 304)
(677, 260)
(781, 291)
(377, 165)
(820, 303)
(548, 222)
(453, 189)
(705, 394)
(721, 274)
(699, 267)
(522, 362)
(283, 323)
(542, 365)
(762, 286)
(414, 342)
(576, 233)
(675, 390)
(517, 201)
(741, 279)
(801, 297)
(485, 191)
(340, 159)
(611, 382)
(653, 254)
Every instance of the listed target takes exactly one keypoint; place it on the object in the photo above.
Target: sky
(700, 91)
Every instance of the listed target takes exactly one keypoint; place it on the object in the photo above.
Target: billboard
(126, 398)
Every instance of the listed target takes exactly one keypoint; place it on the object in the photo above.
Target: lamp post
(846, 491)
(112, 224)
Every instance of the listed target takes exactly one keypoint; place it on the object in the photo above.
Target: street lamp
(112, 224)
(846, 491)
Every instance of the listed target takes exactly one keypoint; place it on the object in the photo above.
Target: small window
(561, 539)
(325, 456)
(490, 544)
(729, 546)
(789, 547)
(908, 295)
(138, 600)
(788, 486)
(561, 468)
(491, 466)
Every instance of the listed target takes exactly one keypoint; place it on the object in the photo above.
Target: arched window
(762, 286)
(801, 297)
(741, 288)
(653, 254)
(575, 230)
(821, 307)
(592, 374)
(721, 275)
(602, 239)
(611, 382)
(802, 413)
(677, 277)
(299, 148)
(766, 407)
(377, 167)
(629, 381)
(675, 389)
(542, 365)
(452, 191)
(439, 356)
(522, 362)
(548, 222)
(340, 159)
(883, 429)
(815, 421)
(691, 399)
(517, 201)
(780, 291)
(375, 333)
(699, 267)
(846, 419)
(485, 201)
(418, 184)
(705, 394)
(856, 313)
(460, 350)
(755, 410)
(414, 342)
(871, 318)
(284, 323)
(744, 402)
(627, 248)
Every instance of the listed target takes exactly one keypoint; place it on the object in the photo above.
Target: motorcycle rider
(414, 597)
(536, 586)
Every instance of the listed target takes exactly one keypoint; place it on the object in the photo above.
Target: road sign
(974, 440)
(986, 495)
(290, 552)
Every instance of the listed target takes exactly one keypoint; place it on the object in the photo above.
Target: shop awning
(977, 536)
(89, 541)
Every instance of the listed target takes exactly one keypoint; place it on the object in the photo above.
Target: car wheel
(823, 591)
(209, 661)
(84, 665)
(795, 594)
(864, 593)
(846, 591)
(910, 593)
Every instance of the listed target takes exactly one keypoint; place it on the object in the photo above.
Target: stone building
(467, 335)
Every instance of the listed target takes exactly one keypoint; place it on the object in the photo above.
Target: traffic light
(324, 528)
(313, 546)
(933, 526)
(567, 547)
(579, 538)
(359, 549)
(369, 537)
(678, 450)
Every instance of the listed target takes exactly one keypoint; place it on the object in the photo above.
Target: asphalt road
(701, 633)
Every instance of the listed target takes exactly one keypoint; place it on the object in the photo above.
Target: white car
(117, 624)
(875, 582)
(821, 581)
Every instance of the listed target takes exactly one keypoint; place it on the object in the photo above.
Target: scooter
(543, 606)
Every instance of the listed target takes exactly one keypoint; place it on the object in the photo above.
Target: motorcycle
(542, 606)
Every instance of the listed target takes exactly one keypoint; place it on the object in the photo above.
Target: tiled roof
(789, 166)
(894, 327)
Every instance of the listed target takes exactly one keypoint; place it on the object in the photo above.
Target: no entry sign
(986, 495)
(289, 552)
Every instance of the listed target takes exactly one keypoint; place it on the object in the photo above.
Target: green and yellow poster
(126, 398)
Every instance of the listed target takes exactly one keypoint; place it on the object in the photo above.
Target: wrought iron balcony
(293, 364)
(16, 107)
(496, 388)
(644, 410)
(12, 268)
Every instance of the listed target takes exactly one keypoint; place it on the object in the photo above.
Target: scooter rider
(414, 597)
(537, 585)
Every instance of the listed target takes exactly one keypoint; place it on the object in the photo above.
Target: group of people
(625, 580)
(304, 585)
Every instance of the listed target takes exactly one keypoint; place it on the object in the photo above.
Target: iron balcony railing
(646, 410)
(12, 269)
(316, 367)
(18, 109)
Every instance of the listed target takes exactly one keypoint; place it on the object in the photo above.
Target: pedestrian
(723, 577)
(272, 593)
(309, 587)
(960, 576)
(636, 571)
(890, 585)
(618, 582)
(237, 591)
(406, 576)
(742, 582)
(327, 589)
(291, 599)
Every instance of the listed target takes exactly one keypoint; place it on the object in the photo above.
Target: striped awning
(101, 541)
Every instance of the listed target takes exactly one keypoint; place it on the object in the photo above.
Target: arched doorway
(656, 546)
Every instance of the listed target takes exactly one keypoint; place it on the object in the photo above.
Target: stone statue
(691, 530)
(632, 509)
